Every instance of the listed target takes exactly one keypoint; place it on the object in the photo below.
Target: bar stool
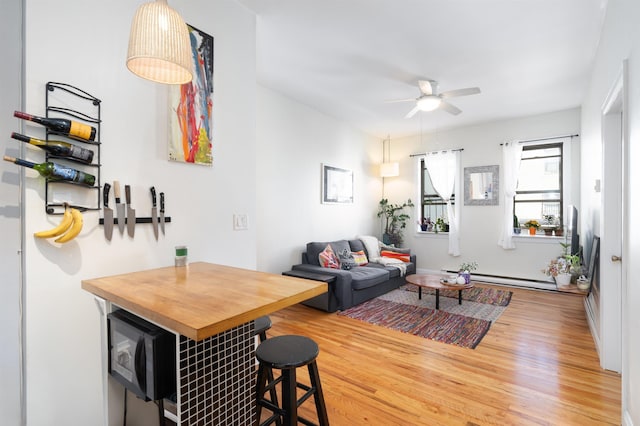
(261, 325)
(286, 353)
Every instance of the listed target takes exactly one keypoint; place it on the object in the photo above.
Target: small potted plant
(441, 225)
(549, 224)
(465, 270)
(561, 269)
(426, 224)
(533, 226)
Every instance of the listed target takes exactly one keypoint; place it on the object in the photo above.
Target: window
(539, 194)
(432, 206)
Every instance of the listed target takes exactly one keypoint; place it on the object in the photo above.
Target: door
(613, 225)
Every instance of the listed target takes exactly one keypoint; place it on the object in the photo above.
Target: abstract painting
(191, 104)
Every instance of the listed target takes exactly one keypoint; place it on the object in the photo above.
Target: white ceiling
(346, 57)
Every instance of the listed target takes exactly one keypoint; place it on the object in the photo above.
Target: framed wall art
(481, 185)
(337, 185)
(191, 106)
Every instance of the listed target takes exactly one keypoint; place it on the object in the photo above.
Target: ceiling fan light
(428, 103)
(159, 45)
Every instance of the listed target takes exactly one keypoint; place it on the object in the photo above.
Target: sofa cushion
(393, 272)
(328, 259)
(314, 249)
(395, 249)
(365, 277)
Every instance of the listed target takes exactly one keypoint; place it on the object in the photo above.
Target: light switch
(240, 222)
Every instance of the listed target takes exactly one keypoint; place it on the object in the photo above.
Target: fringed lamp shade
(159, 47)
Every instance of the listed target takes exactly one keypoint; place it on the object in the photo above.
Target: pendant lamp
(159, 46)
(388, 168)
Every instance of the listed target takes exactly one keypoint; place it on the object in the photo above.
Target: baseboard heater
(500, 280)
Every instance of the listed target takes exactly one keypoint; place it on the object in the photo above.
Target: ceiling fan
(430, 99)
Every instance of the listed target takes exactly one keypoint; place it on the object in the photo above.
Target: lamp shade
(389, 169)
(159, 47)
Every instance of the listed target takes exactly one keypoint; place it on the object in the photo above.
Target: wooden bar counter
(202, 299)
(211, 309)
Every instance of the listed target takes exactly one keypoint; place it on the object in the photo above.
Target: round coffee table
(433, 281)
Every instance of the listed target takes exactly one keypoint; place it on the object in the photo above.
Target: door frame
(614, 224)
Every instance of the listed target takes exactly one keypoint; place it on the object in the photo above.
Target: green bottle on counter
(54, 171)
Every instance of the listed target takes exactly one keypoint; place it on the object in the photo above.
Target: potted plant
(533, 226)
(395, 220)
(426, 224)
(549, 224)
(465, 270)
(441, 225)
(516, 225)
(562, 268)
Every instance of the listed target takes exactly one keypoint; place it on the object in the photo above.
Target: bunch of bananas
(69, 227)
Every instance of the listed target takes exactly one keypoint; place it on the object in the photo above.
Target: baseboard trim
(507, 281)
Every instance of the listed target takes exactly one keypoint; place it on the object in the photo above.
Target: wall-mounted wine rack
(57, 107)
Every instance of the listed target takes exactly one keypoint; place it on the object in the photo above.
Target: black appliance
(142, 356)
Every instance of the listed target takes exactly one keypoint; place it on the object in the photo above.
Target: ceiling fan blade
(400, 100)
(460, 92)
(426, 86)
(451, 109)
(412, 112)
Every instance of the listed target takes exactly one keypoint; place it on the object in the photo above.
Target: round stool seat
(261, 324)
(285, 352)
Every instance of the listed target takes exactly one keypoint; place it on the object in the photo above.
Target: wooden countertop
(202, 299)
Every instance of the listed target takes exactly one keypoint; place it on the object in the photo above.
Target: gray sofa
(353, 286)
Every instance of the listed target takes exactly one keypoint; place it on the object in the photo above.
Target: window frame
(564, 148)
(432, 199)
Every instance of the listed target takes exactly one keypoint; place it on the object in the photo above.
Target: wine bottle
(55, 171)
(61, 125)
(58, 148)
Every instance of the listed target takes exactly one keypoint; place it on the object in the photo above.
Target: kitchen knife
(108, 213)
(131, 213)
(119, 206)
(154, 212)
(162, 212)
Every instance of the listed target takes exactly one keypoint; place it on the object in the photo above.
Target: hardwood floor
(537, 365)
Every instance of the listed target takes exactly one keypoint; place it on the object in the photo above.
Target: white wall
(85, 44)
(480, 225)
(293, 141)
(620, 40)
(10, 258)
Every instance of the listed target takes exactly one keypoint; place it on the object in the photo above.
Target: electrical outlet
(240, 222)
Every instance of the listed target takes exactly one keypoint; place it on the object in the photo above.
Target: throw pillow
(346, 261)
(328, 258)
(405, 257)
(359, 257)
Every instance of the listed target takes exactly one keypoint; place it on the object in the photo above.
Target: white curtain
(511, 155)
(444, 169)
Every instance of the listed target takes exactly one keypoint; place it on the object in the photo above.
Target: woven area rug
(462, 325)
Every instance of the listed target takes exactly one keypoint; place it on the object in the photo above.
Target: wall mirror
(481, 185)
